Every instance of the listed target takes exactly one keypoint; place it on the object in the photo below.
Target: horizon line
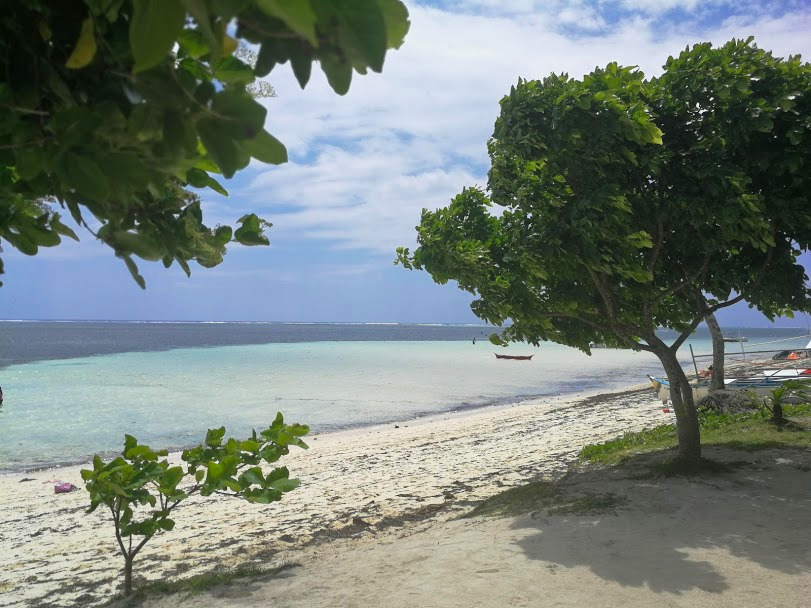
(256, 322)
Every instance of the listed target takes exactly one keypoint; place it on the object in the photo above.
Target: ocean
(73, 389)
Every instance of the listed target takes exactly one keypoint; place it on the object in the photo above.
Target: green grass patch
(747, 431)
(548, 496)
(199, 583)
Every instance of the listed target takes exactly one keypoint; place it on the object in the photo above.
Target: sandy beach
(739, 539)
(355, 485)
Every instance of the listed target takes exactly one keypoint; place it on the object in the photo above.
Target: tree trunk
(717, 379)
(777, 413)
(681, 393)
(128, 559)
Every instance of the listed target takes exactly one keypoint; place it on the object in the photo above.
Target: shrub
(143, 477)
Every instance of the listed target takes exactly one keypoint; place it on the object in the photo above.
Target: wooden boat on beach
(515, 357)
(761, 385)
(759, 376)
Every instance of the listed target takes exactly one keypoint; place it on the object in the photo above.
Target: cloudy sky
(364, 165)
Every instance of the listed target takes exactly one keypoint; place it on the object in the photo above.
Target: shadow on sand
(670, 528)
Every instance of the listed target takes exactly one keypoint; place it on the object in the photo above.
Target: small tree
(790, 391)
(632, 204)
(142, 477)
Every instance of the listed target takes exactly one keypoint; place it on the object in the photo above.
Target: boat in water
(514, 357)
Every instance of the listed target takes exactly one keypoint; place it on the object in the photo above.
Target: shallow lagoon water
(64, 410)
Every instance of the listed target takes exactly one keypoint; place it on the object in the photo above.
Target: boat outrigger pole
(693, 355)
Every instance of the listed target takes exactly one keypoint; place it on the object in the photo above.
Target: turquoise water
(65, 410)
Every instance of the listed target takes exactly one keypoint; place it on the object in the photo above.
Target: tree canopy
(631, 204)
(111, 108)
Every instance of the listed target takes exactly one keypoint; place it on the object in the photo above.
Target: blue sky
(364, 165)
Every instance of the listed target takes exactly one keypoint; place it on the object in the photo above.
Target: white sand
(734, 540)
(52, 552)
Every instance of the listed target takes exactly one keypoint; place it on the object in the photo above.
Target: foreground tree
(631, 205)
(142, 477)
(110, 108)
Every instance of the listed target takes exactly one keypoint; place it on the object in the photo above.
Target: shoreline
(460, 410)
(353, 484)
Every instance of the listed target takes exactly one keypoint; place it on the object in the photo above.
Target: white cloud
(662, 6)
(364, 165)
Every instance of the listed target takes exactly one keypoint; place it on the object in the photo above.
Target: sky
(363, 166)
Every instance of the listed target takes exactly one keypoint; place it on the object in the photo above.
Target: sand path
(735, 540)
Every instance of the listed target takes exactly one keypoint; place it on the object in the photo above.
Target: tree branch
(687, 282)
(686, 334)
(116, 521)
(606, 297)
(140, 545)
(660, 237)
(721, 305)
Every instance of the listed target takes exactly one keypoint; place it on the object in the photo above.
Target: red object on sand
(61, 488)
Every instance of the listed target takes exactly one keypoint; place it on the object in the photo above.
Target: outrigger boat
(515, 357)
(662, 388)
(761, 382)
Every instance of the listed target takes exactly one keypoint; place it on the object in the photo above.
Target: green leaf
(298, 15)
(277, 474)
(299, 430)
(223, 235)
(249, 445)
(302, 64)
(395, 14)
(250, 232)
(248, 238)
(129, 442)
(199, 10)
(85, 48)
(239, 106)
(220, 146)
(254, 476)
(215, 471)
(193, 42)
(200, 179)
(29, 161)
(285, 485)
(87, 177)
(362, 29)
(266, 148)
(231, 70)
(172, 477)
(338, 71)
(655, 134)
(154, 28)
(496, 339)
(214, 436)
(134, 272)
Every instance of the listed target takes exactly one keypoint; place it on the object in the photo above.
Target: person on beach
(705, 373)
(1, 394)
(474, 340)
